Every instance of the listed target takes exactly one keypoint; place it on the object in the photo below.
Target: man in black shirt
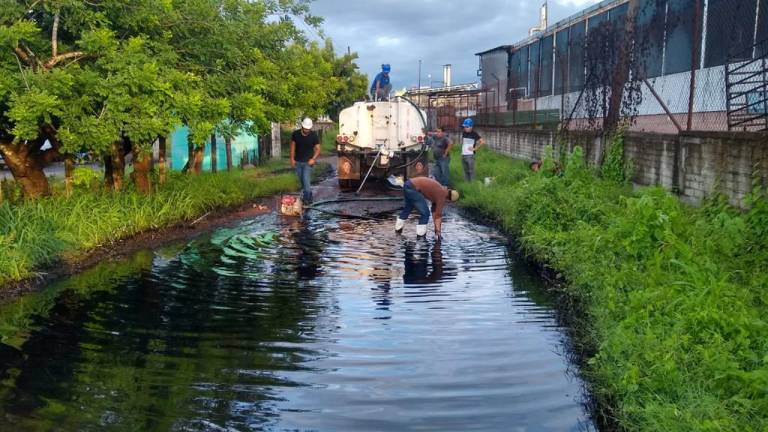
(305, 149)
(470, 142)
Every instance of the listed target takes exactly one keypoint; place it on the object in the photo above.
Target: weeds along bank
(676, 297)
(37, 233)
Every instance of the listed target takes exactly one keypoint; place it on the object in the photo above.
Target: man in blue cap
(470, 142)
(380, 88)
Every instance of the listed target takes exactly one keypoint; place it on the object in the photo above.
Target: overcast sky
(401, 32)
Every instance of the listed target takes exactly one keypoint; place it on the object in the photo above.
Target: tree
(113, 76)
(39, 65)
(352, 84)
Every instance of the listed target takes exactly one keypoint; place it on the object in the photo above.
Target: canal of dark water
(321, 324)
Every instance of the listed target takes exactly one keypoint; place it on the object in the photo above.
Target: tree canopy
(86, 74)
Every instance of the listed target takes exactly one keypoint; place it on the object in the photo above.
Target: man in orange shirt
(416, 192)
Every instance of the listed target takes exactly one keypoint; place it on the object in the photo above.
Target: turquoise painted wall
(179, 153)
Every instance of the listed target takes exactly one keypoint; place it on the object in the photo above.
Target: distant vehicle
(385, 139)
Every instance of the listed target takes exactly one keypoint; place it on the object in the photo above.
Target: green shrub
(615, 168)
(86, 178)
(675, 296)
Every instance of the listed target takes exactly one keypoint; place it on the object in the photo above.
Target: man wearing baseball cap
(470, 142)
(305, 149)
(416, 192)
(381, 87)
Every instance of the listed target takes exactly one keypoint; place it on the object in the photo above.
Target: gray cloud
(401, 32)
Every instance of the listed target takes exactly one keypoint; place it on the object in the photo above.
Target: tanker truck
(381, 140)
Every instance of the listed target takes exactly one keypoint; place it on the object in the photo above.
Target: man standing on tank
(381, 87)
(305, 149)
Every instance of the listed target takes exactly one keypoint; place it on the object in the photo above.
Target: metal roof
(593, 10)
(461, 88)
(589, 12)
(498, 48)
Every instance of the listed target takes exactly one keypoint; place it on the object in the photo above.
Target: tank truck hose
(424, 144)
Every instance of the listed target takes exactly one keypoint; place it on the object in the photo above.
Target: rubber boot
(421, 230)
(399, 225)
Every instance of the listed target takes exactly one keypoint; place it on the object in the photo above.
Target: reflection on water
(319, 324)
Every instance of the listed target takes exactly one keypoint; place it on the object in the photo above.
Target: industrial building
(680, 64)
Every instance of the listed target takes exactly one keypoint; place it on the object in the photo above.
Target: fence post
(275, 153)
(694, 60)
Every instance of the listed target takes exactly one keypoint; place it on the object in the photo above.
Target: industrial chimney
(447, 75)
(542, 21)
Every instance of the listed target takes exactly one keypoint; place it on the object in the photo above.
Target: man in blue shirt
(380, 88)
(470, 142)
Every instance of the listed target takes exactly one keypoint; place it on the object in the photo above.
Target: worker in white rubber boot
(416, 192)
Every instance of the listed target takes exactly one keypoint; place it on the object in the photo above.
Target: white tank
(396, 124)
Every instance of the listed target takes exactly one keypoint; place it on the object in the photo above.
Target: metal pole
(765, 92)
(369, 171)
(663, 105)
(694, 60)
(419, 86)
(498, 101)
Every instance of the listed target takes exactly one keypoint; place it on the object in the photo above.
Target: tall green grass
(328, 146)
(676, 297)
(37, 233)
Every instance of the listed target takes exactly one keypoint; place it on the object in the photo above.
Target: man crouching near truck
(416, 192)
(305, 149)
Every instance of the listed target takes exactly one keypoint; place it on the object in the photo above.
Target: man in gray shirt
(441, 148)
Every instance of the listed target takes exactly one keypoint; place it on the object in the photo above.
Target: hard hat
(386, 67)
(306, 123)
(468, 123)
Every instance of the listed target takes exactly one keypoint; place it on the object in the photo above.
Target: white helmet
(307, 123)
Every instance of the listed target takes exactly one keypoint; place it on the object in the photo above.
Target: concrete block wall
(723, 162)
(694, 165)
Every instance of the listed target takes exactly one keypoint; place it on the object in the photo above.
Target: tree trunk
(27, 165)
(620, 72)
(197, 160)
(228, 145)
(69, 169)
(190, 156)
(109, 180)
(263, 147)
(118, 166)
(161, 144)
(142, 165)
(214, 155)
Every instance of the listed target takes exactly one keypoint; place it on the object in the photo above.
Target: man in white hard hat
(416, 192)
(305, 149)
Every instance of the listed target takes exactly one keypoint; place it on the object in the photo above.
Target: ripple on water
(323, 324)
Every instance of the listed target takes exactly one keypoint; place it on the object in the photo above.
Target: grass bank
(34, 234)
(675, 297)
(328, 146)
